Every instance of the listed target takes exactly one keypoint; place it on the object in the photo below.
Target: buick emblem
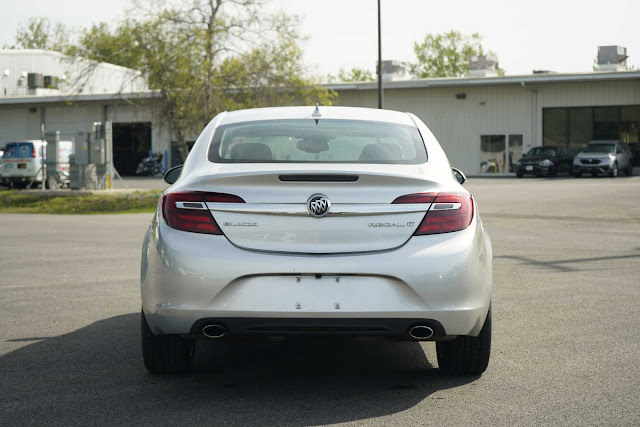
(318, 205)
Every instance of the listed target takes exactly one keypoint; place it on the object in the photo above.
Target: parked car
(333, 221)
(23, 163)
(608, 157)
(544, 161)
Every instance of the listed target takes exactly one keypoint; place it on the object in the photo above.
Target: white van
(23, 161)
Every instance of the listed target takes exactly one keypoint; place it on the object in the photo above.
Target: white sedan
(316, 221)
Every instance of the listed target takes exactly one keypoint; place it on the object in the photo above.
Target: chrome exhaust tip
(420, 332)
(214, 331)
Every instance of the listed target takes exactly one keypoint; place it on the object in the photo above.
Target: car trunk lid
(360, 217)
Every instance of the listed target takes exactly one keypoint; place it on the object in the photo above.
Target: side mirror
(173, 174)
(459, 175)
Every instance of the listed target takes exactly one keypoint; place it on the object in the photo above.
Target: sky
(556, 35)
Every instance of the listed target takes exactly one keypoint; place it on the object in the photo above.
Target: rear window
(18, 150)
(322, 141)
(542, 151)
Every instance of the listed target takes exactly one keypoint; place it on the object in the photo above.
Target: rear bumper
(238, 326)
(188, 277)
(535, 170)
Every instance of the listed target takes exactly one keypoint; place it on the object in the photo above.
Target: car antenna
(316, 113)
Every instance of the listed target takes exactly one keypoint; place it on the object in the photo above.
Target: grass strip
(131, 202)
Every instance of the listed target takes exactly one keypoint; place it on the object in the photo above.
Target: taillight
(188, 211)
(449, 212)
(416, 198)
(33, 153)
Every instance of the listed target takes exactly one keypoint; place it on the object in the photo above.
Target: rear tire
(165, 354)
(519, 175)
(466, 355)
(577, 174)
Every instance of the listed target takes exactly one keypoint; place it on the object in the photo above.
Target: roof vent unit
(50, 82)
(483, 66)
(35, 80)
(393, 70)
(612, 58)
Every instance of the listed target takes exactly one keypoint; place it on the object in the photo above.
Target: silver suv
(609, 157)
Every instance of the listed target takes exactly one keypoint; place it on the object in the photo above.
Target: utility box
(82, 153)
(52, 160)
(91, 166)
(97, 153)
(75, 178)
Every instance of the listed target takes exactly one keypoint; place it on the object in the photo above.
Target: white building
(47, 91)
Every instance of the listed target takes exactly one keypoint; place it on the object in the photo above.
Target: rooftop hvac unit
(483, 66)
(612, 58)
(50, 82)
(35, 80)
(393, 70)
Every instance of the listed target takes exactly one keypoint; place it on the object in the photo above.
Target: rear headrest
(251, 151)
(381, 152)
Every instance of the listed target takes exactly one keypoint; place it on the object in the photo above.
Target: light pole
(379, 57)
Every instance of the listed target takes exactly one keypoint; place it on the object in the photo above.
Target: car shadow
(95, 375)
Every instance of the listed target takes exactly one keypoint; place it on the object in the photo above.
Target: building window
(555, 126)
(605, 122)
(575, 127)
(580, 126)
(630, 124)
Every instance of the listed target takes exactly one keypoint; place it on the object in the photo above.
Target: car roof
(341, 113)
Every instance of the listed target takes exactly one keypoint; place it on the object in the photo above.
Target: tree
(39, 33)
(207, 56)
(100, 43)
(446, 54)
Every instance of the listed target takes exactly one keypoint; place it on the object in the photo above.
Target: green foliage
(446, 54)
(39, 33)
(117, 202)
(102, 44)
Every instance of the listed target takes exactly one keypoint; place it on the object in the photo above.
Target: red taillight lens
(449, 212)
(33, 153)
(188, 211)
(415, 198)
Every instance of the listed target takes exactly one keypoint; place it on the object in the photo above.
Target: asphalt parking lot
(565, 347)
